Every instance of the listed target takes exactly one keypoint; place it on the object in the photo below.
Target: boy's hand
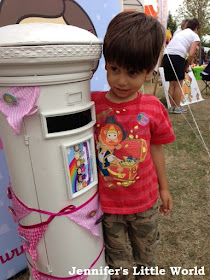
(167, 204)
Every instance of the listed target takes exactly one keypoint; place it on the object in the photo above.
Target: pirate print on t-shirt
(119, 152)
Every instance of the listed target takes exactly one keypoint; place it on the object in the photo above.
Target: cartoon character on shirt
(119, 155)
(109, 138)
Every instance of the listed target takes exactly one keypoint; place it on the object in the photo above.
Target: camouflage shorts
(131, 240)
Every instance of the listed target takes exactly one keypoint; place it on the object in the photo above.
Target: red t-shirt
(124, 133)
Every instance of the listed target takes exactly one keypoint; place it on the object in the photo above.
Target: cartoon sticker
(80, 166)
(10, 99)
(143, 119)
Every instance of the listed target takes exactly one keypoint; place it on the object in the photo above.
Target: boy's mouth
(122, 90)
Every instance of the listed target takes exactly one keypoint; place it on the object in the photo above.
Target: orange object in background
(168, 36)
(149, 11)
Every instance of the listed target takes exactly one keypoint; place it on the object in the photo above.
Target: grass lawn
(185, 233)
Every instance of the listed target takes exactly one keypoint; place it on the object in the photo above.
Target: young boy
(130, 129)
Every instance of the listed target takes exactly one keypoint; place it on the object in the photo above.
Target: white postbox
(46, 121)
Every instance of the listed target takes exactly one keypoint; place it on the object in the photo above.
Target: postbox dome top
(34, 34)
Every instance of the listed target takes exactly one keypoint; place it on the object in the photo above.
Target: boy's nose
(122, 81)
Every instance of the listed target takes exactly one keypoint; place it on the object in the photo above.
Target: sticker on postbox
(79, 166)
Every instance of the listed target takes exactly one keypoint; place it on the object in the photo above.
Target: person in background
(202, 56)
(183, 26)
(129, 132)
(175, 64)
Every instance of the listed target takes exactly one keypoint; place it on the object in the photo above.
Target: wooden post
(158, 73)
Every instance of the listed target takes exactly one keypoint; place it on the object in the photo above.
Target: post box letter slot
(68, 122)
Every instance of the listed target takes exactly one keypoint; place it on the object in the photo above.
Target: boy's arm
(159, 163)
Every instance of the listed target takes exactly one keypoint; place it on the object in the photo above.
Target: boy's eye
(132, 73)
(114, 68)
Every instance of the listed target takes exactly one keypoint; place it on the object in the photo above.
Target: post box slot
(68, 122)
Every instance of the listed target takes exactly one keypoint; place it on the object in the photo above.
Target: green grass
(186, 232)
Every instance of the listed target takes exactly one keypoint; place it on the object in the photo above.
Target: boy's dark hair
(133, 40)
(193, 24)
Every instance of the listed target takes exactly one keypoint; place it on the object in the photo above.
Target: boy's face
(124, 84)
